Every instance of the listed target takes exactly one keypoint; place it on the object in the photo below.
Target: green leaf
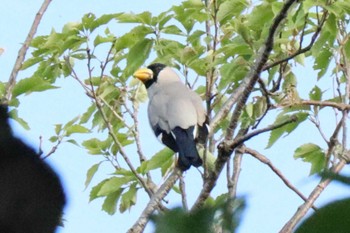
(156, 161)
(144, 18)
(333, 217)
(29, 85)
(72, 141)
(113, 184)
(104, 19)
(94, 191)
(137, 55)
(322, 62)
(58, 129)
(178, 220)
(30, 62)
(315, 93)
(53, 139)
(173, 29)
(100, 40)
(229, 9)
(87, 115)
(14, 115)
(260, 16)
(76, 129)
(189, 13)
(128, 198)
(287, 129)
(95, 146)
(90, 173)
(110, 203)
(313, 154)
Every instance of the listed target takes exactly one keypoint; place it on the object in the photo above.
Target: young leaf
(30, 62)
(110, 203)
(72, 141)
(230, 8)
(95, 146)
(315, 93)
(113, 184)
(313, 154)
(90, 173)
(76, 129)
(87, 115)
(156, 161)
(137, 55)
(14, 115)
(128, 198)
(277, 133)
(94, 191)
(29, 85)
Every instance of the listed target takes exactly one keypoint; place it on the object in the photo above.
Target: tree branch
(303, 50)
(339, 106)
(152, 205)
(224, 151)
(23, 50)
(266, 161)
(241, 139)
(302, 210)
(233, 182)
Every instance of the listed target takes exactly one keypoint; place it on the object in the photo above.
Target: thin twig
(266, 161)
(241, 139)
(303, 209)
(53, 149)
(183, 193)
(339, 106)
(303, 50)
(237, 161)
(23, 50)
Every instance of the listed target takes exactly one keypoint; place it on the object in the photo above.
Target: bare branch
(152, 205)
(241, 139)
(183, 192)
(237, 161)
(23, 50)
(53, 149)
(339, 106)
(302, 210)
(266, 161)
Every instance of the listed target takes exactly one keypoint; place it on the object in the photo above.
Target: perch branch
(152, 205)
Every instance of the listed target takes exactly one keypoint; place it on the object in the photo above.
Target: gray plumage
(175, 112)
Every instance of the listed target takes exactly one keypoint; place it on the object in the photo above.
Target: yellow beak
(143, 74)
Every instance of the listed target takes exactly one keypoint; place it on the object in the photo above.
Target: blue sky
(270, 203)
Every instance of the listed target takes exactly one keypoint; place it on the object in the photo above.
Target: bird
(31, 194)
(175, 112)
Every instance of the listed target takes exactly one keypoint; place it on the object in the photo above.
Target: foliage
(334, 217)
(221, 215)
(216, 41)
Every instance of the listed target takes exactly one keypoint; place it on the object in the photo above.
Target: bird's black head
(156, 68)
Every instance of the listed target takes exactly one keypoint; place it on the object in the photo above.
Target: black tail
(188, 154)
